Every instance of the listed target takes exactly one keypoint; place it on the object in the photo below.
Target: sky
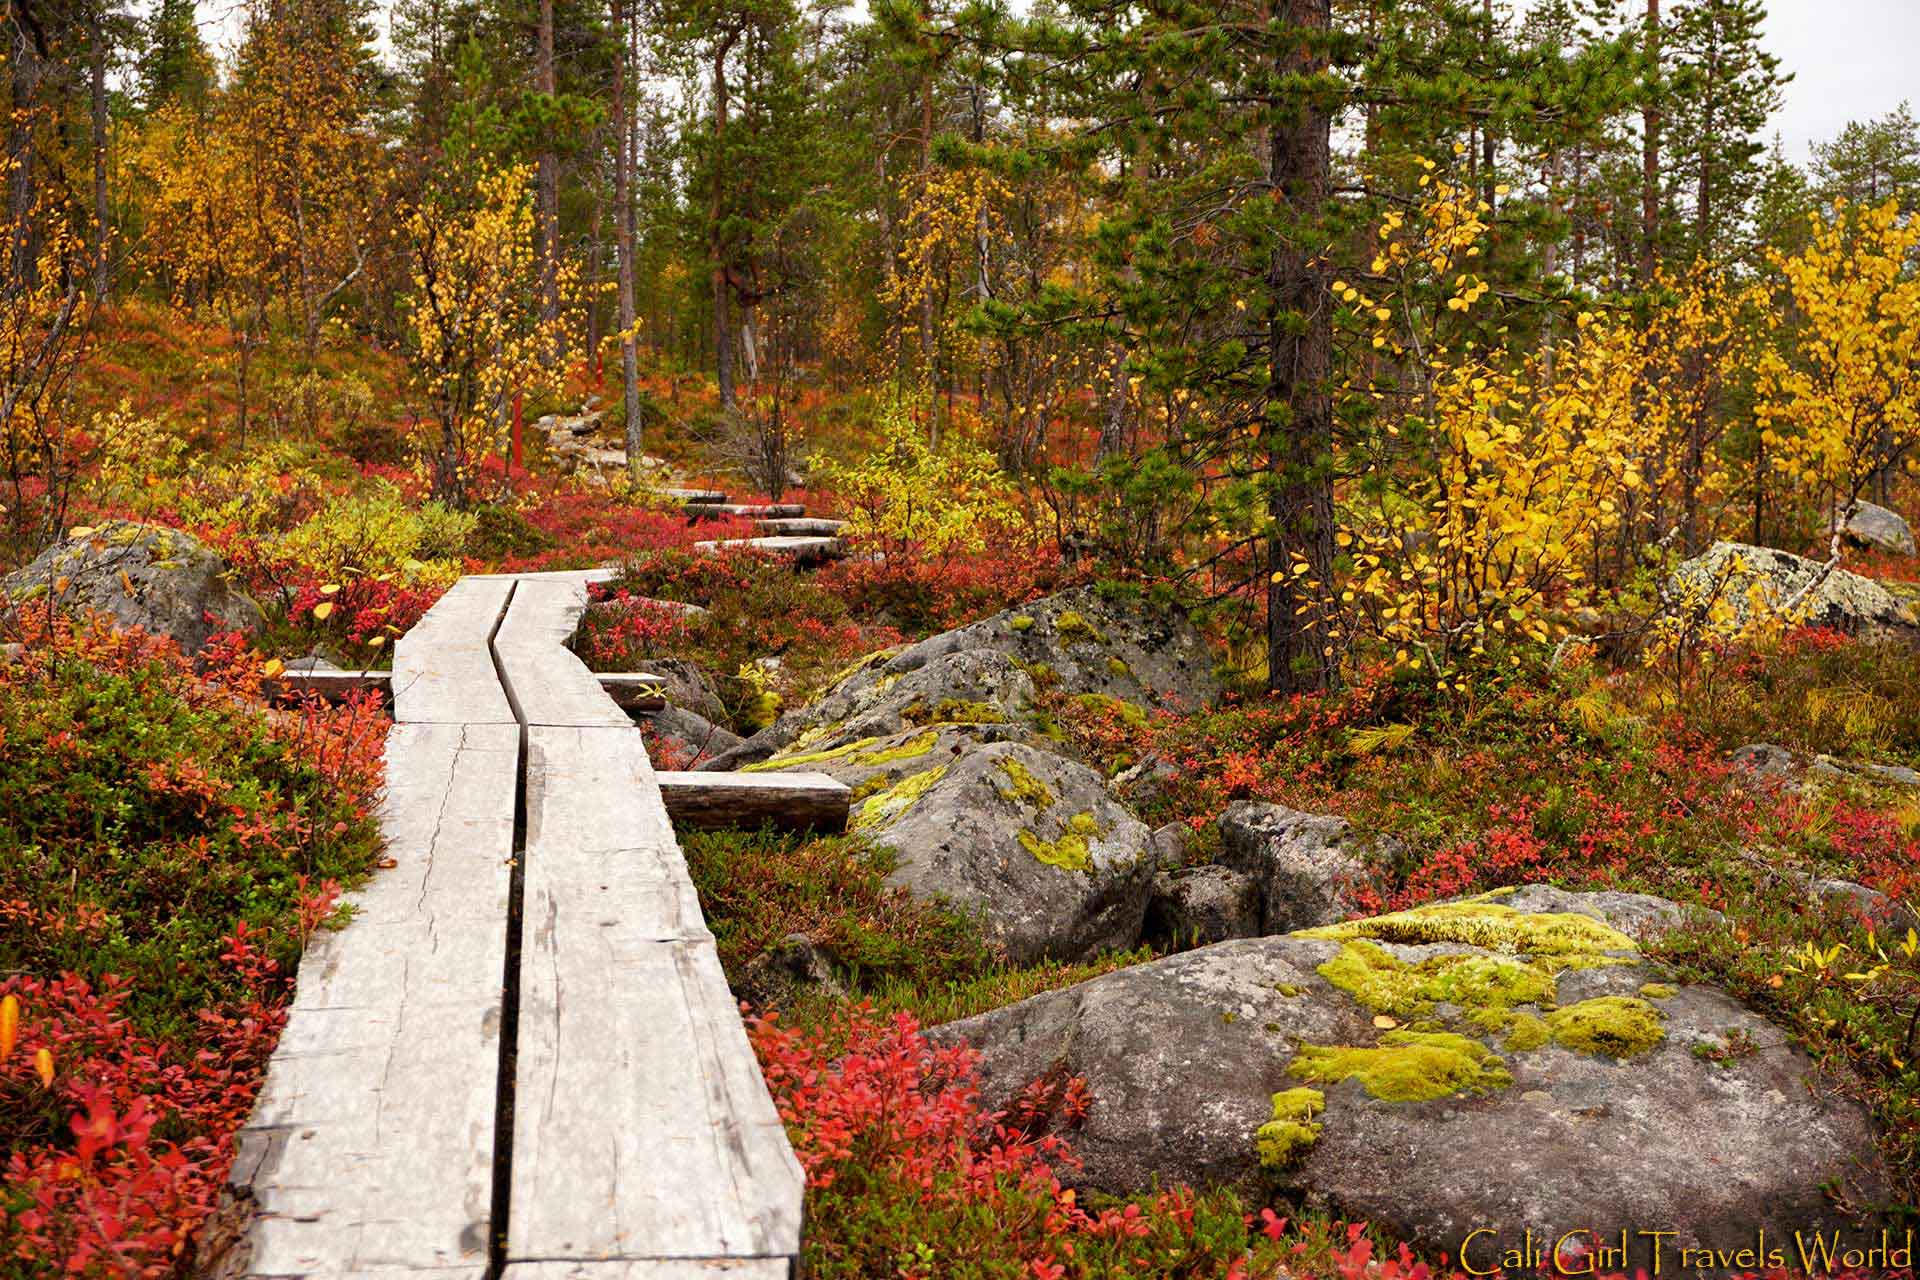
(1851, 60)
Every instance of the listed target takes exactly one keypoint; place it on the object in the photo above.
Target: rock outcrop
(1869, 525)
(1512, 1061)
(148, 576)
(1742, 585)
(1304, 864)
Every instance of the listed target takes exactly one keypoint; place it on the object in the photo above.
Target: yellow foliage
(906, 493)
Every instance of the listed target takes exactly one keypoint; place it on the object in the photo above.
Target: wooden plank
(799, 801)
(693, 497)
(805, 550)
(745, 510)
(332, 686)
(371, 1144)
(656, 1269)
(443, 670)
(642, 1127)
(796, 527)
(546, 683)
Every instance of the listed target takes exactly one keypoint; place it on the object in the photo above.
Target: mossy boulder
(1734, 585)
(1030, 843)
(1117, 655)
(163, 581)
(1306, 865)
(1512, 1061)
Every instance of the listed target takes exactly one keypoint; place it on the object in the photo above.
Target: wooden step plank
(630, 690)
(746, 510)
(656, 1269)
(805, 550)
(443, 670)
(371, 1143)
(642, 1127)
(800, 527)
(799, 801)
(694, 497)
(546, 682)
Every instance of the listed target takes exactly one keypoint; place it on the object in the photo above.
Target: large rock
(1868, 525)
(1735, 586)
(148, 576)
(1030, 843)
(1305, 864)
(1120, 655)
(1456, 1067)
(1197, 906)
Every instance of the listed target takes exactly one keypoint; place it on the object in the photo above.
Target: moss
(1119, 667)
(1657, 991)
(1289, 990)
(1292, 1131)
(1527, 1034)
(787, 759)
(1020, 622)
(1619, 1026)
(1407, 1066)
(1099, 703)
(861, 664)
(1071, 851)
(1569, 937)
(1027, 790)
(898, 798)
(1485, 988)
(1073, 627)
(953, 711)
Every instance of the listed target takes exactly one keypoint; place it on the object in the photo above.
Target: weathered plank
(694, 497)
(443, 669)
(545, 682)
(798, 801)
(655, 1269)
(805, 550)
(745, 510)
(332, 686)
(799, 527)
(371, 1143)
(642, 1127)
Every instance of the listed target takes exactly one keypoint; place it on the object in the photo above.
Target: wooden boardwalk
(521, 1060)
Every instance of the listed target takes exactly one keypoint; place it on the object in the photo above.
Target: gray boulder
(687, 686)
(1305, 864)
(1119, 656)
(1891, 775)
(1438, 1071)
(871, 765)
(1198, 906)
(1872, 906)
(1869, 525)
(1756, 584)
(1764, 762)
(690, 736)
(148, 576)
(1030, 843)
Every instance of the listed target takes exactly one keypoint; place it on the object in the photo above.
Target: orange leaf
(9, 1024)
(61, 583)
(126, 582)
(273, 668)
(1382, 1021)
(1775, 981)
(43, 1063)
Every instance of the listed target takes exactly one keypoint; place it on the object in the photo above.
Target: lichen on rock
(1026, 789)
(897, 799)
(1292, 1131)
(1070, 851)
(1407, 1066)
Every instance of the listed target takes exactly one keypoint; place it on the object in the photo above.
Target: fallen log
(700, 801)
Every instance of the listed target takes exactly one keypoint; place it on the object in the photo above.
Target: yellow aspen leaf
(9, 1024)
(43, 1065)
(323, 610)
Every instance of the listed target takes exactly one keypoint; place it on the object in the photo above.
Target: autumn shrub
(168, 844)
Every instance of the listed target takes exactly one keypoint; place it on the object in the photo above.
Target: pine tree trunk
(722, 327)
(549, 186)
(97, 87)
(1650, 151)
(623, 241)
(1300, 436)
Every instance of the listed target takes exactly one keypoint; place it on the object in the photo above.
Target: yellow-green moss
(1026, 790)
(1657, 991)
(861, 664)
(1527, 1034)
(1020, 622)
(1407, 1066)
(1071, 851)
(1619, 1026)
(1129, 712)
(1119, 667)
(954, 711)
(1292, 1131)
(1570, 937)
(898, 798)
(1072, 626)
(1485, 988)
(853, 753)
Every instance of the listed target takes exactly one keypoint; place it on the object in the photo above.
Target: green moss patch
(896, 799)
(1131, 713)
(1486, 988)
(954, 711)
(1071, 851)
(1407, 1066)
(1026, 789)
(1618, 1026)
(1569, 936)
(860, 753)
(1020, 622)
(1072, 626)
(1292, 1131)
(1526, 1034)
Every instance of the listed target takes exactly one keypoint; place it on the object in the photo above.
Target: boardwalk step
(694, 497)
(746, 510)
(630, 690)
(701, 801)
(799, 527)
(804, 550)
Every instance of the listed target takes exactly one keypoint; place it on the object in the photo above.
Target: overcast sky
(1851, 60)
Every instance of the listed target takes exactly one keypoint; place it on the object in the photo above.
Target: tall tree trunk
(97, 92)
(716, 246)
(623, 239)
(23, 81)
(549, 186)
(1300, 333)
(1489, 141)
(1650, 150)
